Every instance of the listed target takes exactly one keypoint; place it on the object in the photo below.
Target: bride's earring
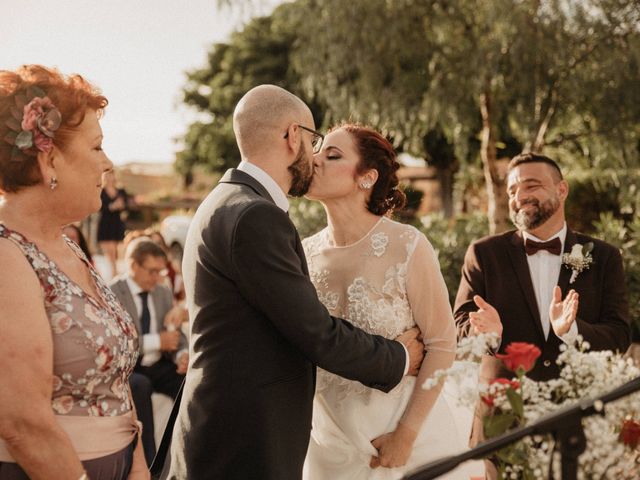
(365, 185)
(53, 183)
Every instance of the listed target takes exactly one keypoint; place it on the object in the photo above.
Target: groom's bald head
(263, 114)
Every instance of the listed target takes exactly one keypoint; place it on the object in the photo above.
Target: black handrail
(565, 424)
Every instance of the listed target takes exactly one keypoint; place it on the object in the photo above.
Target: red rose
(520, 355)
(489, 399)
(630, 433)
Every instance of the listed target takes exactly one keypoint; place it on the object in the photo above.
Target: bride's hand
(393, 448)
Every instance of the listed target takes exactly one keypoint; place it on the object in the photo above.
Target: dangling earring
(365, 185)
(53, 183)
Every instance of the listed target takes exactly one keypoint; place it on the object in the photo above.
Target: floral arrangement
(578, 259)
(613, 438)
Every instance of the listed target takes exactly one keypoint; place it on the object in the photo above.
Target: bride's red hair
(377, 153)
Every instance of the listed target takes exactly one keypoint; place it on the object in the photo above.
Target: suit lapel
(158, 307)
(521, 267)
(129, 304)
(239, 177)
(565, 273)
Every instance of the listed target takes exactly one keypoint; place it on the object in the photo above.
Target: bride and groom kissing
(266, 309)
(259, 327)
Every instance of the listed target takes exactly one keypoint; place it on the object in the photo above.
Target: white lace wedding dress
(385, 283)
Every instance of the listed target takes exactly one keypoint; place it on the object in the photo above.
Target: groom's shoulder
(491, 242)
(598, 244)
(234, 200)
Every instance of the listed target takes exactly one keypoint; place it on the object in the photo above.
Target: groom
(258, 329)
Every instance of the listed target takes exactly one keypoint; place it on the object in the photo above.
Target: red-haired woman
(68, 345)
(384, 277)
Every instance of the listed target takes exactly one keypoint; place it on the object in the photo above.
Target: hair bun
(396, 199)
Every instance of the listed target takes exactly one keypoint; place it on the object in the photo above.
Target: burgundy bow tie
(553, 246)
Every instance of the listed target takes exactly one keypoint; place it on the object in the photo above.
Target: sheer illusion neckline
(331, 244)
(100, 301)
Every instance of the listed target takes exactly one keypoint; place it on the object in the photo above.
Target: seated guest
(174, 274)
(68, 346)
(163, 348)
(173, 279)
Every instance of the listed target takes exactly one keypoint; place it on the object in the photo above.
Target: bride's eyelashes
(333, 157)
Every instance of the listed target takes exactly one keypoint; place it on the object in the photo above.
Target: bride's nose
(317, 160)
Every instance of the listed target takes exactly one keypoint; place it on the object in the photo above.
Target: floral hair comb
(33, 123)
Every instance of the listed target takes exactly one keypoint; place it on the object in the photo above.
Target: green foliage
(451, 238)
(625, 236)
(307, 215)
(255, 55)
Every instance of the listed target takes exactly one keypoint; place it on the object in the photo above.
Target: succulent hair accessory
(33, 123)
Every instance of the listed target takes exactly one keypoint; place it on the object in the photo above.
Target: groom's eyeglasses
(316, 141)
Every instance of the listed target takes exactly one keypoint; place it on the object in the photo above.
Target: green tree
(511, 74)
(257, 54)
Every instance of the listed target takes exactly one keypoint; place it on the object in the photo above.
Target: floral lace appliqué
(379, 242)
(371, 293)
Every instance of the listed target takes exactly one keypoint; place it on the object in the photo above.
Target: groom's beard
(535, 217)
(301, 173)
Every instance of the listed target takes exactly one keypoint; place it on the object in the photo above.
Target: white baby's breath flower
(583, 374)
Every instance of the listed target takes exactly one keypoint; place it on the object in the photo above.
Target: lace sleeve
(427, 294)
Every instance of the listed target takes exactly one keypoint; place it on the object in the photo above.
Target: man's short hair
(531, 157)
(141, 248)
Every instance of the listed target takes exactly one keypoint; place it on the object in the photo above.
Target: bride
(384, 277)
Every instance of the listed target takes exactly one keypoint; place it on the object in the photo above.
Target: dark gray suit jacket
(162, 299)
(258, 331)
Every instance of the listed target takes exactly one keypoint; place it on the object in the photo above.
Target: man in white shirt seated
(163, 355)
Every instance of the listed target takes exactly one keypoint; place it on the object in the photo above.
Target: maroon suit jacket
(496, 268)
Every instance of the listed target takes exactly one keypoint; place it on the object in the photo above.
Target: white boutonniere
(578, 259)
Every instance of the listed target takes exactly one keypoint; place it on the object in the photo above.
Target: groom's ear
(563, 189)
(293, 132)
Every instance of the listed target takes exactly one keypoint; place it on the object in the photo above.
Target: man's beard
(301, 173)
(536, 217)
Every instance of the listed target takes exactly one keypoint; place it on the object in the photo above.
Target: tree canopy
(459, 83)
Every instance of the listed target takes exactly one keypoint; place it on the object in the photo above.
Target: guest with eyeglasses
(163, 348)
(68, 346)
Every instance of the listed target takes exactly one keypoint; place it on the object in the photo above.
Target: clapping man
(520, 285)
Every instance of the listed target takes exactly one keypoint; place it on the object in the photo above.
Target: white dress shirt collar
(561, 234)
(267, 182)
(133, 286)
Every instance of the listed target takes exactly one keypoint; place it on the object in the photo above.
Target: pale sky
(136, 51)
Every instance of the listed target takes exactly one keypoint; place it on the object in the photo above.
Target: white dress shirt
(282, 202)
(151, 341)
(544, 268)
(267, 182)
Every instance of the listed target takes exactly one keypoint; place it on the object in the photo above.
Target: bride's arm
(429, 300)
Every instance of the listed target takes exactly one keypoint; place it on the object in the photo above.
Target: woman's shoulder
(313, 242)
(16, 264)
(407, 236)
(401, 230)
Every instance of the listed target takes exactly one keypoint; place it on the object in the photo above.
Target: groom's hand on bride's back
(412, 341)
